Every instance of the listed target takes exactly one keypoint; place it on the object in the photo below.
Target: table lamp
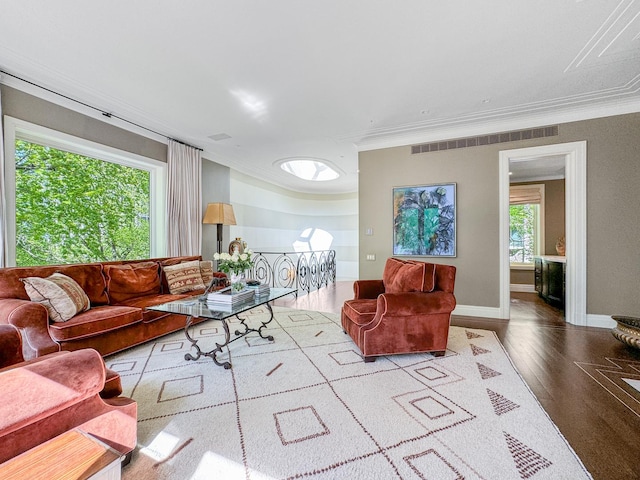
(220, 214)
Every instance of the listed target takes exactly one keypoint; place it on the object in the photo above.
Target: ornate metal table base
(238, 334)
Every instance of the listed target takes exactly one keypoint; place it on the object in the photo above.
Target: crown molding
(497, 121)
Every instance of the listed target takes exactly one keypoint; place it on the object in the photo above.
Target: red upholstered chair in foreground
(49, 395)
(408, 311)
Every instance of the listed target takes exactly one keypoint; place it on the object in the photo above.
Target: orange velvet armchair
(408, 311)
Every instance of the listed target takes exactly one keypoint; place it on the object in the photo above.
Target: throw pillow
(131, 280)
(429, 283)
(408, 278)
(206, 271)
(184, 277)
(61, 295)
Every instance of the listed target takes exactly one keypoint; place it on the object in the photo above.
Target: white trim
(522, 288)
(447, 129)
(16, 128)
(576, 224)
(476, 311)
(600, 321)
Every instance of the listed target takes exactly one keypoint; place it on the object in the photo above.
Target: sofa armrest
(10, 346)
(363, 289)
(32, 321)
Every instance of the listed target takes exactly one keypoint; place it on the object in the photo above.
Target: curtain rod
(106, 114)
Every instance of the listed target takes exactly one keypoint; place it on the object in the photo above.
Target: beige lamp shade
(220, 213)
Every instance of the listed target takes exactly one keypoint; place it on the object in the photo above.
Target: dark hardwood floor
(575, 372)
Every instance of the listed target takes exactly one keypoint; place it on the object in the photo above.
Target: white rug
(307, 406)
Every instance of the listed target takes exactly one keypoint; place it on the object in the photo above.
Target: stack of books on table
(261, 289)
(225, 300)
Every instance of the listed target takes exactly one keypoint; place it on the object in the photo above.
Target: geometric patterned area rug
(306, 406)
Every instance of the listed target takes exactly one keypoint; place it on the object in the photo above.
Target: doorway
(574, 155)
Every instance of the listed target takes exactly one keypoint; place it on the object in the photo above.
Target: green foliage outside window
(74, 209)
(522, 233)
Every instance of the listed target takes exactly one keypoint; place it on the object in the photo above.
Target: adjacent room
(331, 240)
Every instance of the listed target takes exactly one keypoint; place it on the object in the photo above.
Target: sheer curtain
(3, 202)
(184, 207)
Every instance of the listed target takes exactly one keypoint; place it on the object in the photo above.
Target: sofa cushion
(61, 295)
(184, 277)
(95, 322)
(89, 277)
(131, 280)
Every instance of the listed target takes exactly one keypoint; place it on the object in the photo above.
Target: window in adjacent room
(526, 224)
(76, 203)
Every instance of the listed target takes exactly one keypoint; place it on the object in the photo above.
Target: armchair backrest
(416, 276)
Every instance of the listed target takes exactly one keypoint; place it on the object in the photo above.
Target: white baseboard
(475, 311)
(521, 287)
(600, 321)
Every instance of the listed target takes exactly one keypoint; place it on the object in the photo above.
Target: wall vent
(504, 137)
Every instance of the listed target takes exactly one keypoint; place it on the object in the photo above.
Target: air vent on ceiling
(504, 137)
(219, 136)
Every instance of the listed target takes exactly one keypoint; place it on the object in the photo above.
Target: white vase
(238, 282)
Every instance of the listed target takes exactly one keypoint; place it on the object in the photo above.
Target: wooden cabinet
(550, 279)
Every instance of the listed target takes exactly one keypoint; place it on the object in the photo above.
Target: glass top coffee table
(194, 307)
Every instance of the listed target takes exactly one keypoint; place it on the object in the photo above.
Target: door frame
(575, 154)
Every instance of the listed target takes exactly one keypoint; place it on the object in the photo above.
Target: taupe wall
(613, 218)
(554, 225)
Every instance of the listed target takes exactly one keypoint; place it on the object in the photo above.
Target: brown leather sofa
(119, 293)
(47, 396)
(407, 311)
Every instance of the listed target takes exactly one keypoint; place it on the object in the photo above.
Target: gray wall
(613, 214)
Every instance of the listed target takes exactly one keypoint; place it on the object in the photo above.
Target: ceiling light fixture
(313, 169)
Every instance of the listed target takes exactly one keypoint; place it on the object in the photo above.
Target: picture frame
(424, 220)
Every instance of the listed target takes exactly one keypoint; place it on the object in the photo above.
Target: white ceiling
(325, 79)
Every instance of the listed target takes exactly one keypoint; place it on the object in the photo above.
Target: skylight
(313, 170)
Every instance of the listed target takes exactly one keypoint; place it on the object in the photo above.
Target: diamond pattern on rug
(307, 406)
(299, 424)
(478, 350)
(486, 372)
(122, 367)
(346, 357)
(528, 462)
(181, 387)
(500, 403)
(172, 346)
(430, 464)
(434, 412)
(471, 335)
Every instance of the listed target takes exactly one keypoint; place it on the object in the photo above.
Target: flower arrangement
(234, 265)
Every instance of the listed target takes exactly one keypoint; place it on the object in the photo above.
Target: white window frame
(15, 128)
(539, 241)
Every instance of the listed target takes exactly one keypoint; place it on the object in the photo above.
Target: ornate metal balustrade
(305, 271)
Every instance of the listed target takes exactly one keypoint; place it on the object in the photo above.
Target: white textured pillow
(61, 295)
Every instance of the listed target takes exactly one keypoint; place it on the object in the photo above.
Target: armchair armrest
(367, 289)
(32, 321)
(416, 303)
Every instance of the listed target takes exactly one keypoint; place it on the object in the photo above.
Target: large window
(526, 224)
(76, 201)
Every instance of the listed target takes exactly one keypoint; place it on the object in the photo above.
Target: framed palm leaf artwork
(424, 220)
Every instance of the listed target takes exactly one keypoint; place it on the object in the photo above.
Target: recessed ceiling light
(312, 169)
